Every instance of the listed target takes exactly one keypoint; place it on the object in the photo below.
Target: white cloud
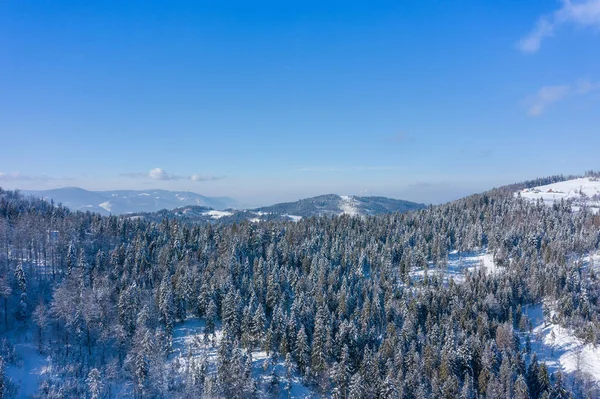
(584, 14)
(161, 174)
(17, 176)
(548, 95)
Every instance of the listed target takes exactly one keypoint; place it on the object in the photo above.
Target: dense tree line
(333, 296)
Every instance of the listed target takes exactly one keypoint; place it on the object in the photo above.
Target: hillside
(333, 204)
(324, 205)
(582, 192)
(489, 296)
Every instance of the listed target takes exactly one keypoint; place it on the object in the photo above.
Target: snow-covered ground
(580, 192)
(560, 349)
(217, 214)
(294, 217)
(30, 366)
(459, 264)
(348, 205)
(106, 205)
(592, 260)
(189, 337)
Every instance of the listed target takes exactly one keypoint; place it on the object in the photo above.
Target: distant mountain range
(120, 202)
(196, 208)
(323, 205)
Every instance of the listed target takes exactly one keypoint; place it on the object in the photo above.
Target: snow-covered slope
(332, 204)
(190, 346)
(561, 350)
(324, 205)
(129, 201)
(578, 193)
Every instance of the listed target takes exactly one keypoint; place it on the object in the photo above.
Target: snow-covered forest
(468, 300)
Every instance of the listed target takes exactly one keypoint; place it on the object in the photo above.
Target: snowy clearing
(560, 349)
(188, 338)
(30, 367)
(458, 265)
(217, 214)
(294, 217)
(106, 206)
(348, 205)
(592, 260)
(580, 192)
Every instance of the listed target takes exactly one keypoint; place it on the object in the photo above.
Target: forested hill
(322, 205)
(353, 307)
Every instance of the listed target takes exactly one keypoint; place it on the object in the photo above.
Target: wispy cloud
(538, 103)
(584, 14)
(17, 176)
(163, 175)
(199, 177)
(348, 168)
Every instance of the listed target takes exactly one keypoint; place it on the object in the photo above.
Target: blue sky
(271, 101)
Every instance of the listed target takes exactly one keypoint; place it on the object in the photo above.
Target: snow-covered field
(294, 217)
(106, 205)
(217, 214)
(459, 264)
(561, 350)
(188, 338)
(580, 192)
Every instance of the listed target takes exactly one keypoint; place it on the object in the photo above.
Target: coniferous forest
(341, 307)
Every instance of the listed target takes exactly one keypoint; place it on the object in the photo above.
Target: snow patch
(106, 206)
(217, 214)
(294, 217)
(578, 193)
(29, 370)
(348, 205)
(458, 265)
(190, 345)
(560, 349)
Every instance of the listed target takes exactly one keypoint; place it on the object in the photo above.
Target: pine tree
(302, 351)
(357, 387)
(289, 372)
(166, 304)
(521, 390)
(94, 384)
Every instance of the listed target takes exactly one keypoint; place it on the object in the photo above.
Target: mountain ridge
(120, 202)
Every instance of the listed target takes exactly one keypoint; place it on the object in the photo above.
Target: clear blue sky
(268, 101)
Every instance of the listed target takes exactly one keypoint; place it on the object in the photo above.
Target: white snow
(294, 217)
(188, 337)
(217, 214)
(560, 349)
(106, 206)
(348, 205)
(580, 192)
(592, 260)
(459, 264)
(27, 374)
